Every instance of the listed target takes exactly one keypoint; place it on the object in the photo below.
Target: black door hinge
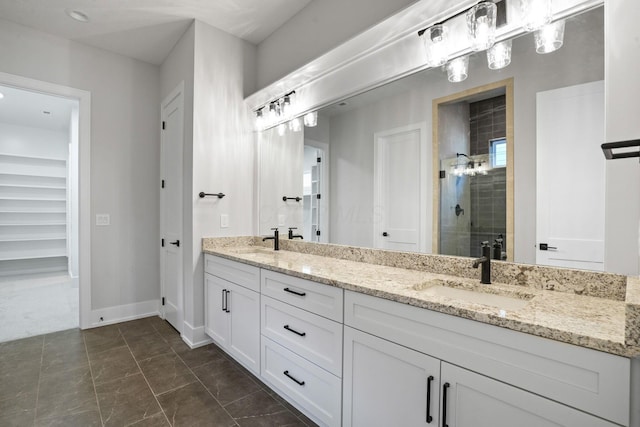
(162, 300)
(318, 196)
(443, 174)
(319, 159)
(163, 124)
(163, 243)
(317, 232)
(163, 183)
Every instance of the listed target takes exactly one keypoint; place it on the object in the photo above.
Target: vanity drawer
(314, 390)
(311, 296)
(311, 336)
(233, 271)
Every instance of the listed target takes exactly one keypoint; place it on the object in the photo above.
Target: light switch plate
(281, 220)
(224, 220)
(103, 219)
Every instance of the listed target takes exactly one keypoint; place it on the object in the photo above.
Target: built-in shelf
(33, 213)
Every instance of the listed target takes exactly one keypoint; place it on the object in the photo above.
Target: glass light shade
(435, 44)
(260, 122)
(535, 13)
(550, 37)
(481, 23)
(296, 124)
(286, 107)
(311, 119)
(458, 69)
(282, 129)
(273, 113)
(499, 55)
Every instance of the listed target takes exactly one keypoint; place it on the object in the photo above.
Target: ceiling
(33, 109)
(148, 29)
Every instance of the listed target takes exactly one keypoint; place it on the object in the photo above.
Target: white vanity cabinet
(232, 309)
(482, 375)
(302, 344)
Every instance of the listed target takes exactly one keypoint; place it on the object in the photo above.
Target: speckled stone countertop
(600, 311)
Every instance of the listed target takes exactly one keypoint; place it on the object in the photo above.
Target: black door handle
(385, 234)
(176, 243)
(226, 301)
(429, 381)
(293, 379)
(546, 247)
(300, 294)
(445, 387)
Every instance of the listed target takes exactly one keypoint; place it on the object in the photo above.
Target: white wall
(317, 29)
(31, 141)
(352, 132)
(124, 153)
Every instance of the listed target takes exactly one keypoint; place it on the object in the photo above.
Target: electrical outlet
(281, 220)
(224, 220)
(103, 219)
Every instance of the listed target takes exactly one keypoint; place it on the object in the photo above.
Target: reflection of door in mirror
(314, 195)
(472, 151)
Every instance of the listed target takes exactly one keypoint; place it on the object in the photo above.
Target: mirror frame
(507, 85)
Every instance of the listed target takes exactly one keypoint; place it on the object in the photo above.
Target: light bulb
(550, 37)
(273, 113)
(457, 69)
(259, 120)
(295, 124)
(535, 14)
(311, 119)
(481, 23)
(499, 55)
(435, 44)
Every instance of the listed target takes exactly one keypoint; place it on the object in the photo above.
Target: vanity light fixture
(260, 120)
(287, 104)
(550, 37)
(311, 119)
(499, 55)
(481, 23)
(274, 112)
(458, 69)
(535, 14)
(435, 44)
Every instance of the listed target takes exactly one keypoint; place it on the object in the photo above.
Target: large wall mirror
(509, 156)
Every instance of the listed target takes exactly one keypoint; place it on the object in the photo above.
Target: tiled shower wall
(488, 192)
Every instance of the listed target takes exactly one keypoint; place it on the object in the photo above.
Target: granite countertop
(576, 313)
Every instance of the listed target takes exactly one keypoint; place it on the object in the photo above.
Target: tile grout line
(93, 381)
(202, 384)
(144, 376)
(35, 409)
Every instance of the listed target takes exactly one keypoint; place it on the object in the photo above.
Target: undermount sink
(481, 294)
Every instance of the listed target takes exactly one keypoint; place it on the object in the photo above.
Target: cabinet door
(385, 384)
(244, 333)
(473, 400)
(216, 319)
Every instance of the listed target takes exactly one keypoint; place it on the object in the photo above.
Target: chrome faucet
(275, 238)
(485, 260)
(294, 236)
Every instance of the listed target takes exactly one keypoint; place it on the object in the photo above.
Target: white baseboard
(122, 313)
(194, 337)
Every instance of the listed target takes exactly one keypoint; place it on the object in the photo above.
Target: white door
(386, 384)
(472, 400)
(570, 218)
(171, 206)
(400, 175)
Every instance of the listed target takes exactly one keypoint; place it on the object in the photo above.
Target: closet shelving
(33, 213)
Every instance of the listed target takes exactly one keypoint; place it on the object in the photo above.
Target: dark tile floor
(137, 373)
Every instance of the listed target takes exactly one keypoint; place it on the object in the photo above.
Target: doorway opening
(42, 233)
(314, 193)
(473, 164)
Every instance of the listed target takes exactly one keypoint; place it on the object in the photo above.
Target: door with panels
(386, 384)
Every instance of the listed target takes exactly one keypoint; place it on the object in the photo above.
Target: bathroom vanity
(364, 337)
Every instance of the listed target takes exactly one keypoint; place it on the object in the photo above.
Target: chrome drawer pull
(302, 334)
(293, 379)
(300, 294)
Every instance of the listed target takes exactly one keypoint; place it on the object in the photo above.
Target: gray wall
(317, 29)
